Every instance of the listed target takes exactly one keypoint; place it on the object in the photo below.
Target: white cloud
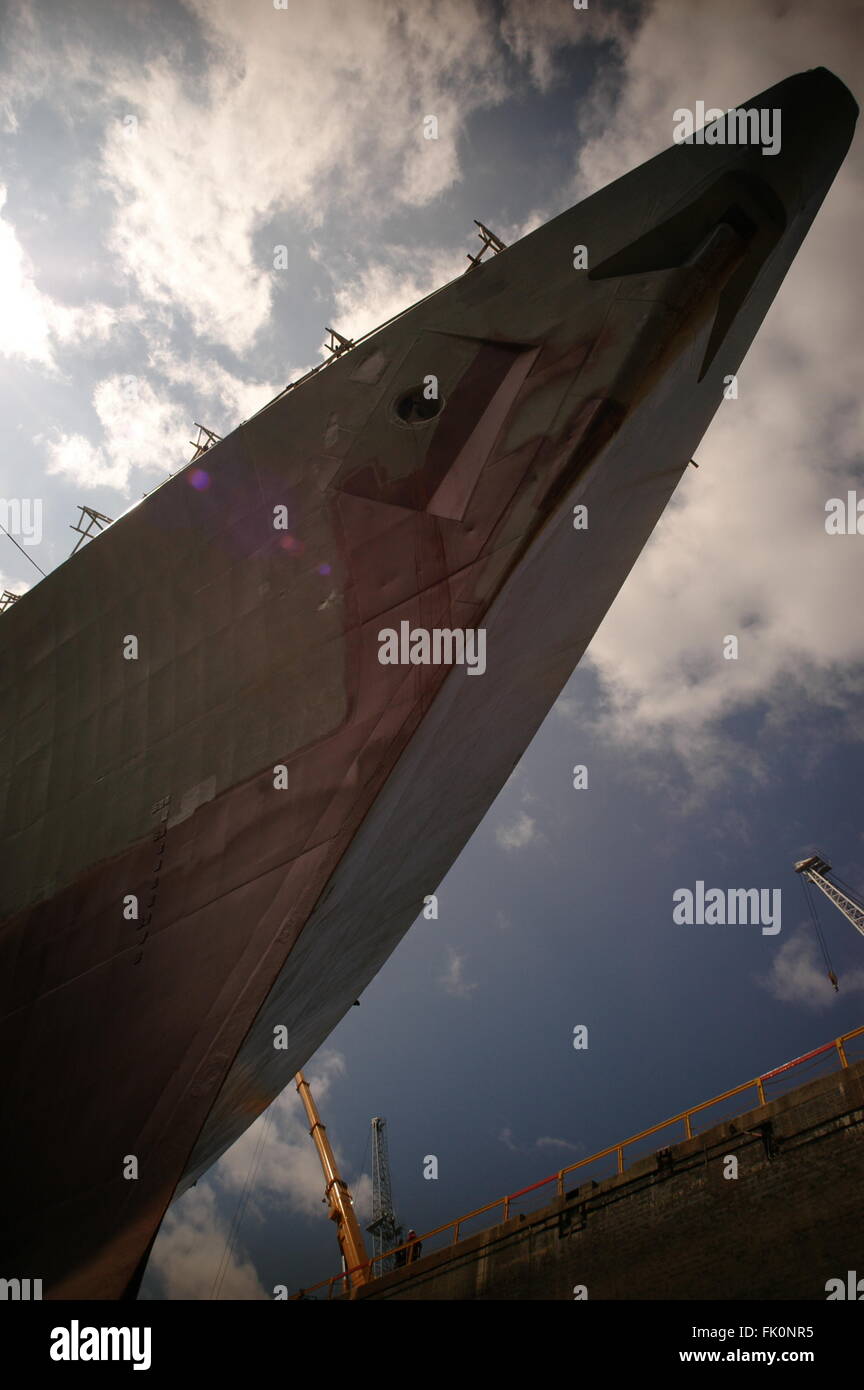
(146, 428)
(798, 975)
(544, 1142)
(12, 586)
(566, 707)
(547, 1142)
(301, 115)
(25, 323)
(453, 979)
(141, 430)
(522, 832)
(75, 457)
(285, 1172)
(228, 397)
(538, 30)
(32, 323)
(289, 1167)
(189, 1255)
(288, 119)
(196, 166)
(716, 58)
(371, 296)
(743, 550)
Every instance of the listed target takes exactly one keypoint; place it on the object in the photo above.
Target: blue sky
(152, 159)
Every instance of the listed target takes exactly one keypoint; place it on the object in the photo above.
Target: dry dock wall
(672, 1226)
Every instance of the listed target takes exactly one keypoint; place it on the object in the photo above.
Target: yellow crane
(336, 1191)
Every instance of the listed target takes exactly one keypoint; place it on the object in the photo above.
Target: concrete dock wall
(673, 1226)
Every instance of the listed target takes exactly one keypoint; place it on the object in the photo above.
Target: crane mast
(383, 1227)
(814, 870)
(336, 1191)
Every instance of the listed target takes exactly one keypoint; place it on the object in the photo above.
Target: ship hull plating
(274, 799)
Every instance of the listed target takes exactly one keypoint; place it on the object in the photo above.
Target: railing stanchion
(618, 1150)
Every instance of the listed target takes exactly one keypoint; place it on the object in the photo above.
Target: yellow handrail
(618, 1149)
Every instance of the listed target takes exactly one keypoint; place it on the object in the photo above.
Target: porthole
(414, 407)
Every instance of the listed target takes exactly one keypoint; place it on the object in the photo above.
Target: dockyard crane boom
(348, 1231)
(383, 1227)
(814, 870)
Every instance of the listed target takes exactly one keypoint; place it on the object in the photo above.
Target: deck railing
(833, 1051)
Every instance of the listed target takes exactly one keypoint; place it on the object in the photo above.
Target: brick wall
(672, 1226)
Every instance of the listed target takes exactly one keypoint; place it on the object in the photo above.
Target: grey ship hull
(260, 906)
